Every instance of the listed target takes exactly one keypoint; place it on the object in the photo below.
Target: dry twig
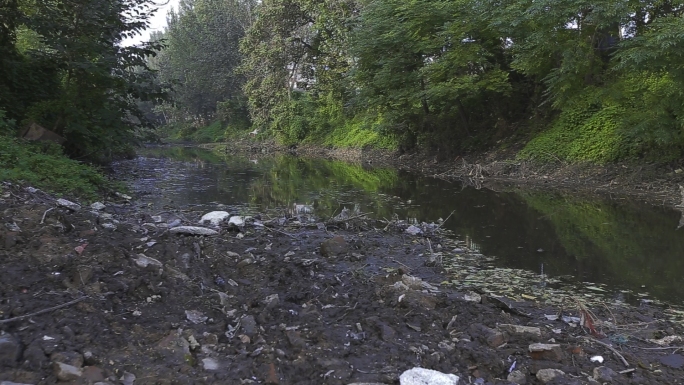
(44, 310)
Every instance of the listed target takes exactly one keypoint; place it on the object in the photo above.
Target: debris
(413, 230)
(65, 372)
(548, 375)
(123, 196)
(472, 297)
(79, 249)
(210, 364)
(143, 261)
(13, 227)
(192, 230)
(97, 206)
(236, 221)
(68, 204)
(127, 378)
(598, 359)
(665, 341)
(518, 329)
(421, 376)
(214, 218)
(517, 377)
(603, 374)
(195, 316)
(550, 352)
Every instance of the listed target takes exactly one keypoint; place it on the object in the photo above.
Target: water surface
(634, 249)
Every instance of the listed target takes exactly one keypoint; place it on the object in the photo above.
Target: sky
(157, 23)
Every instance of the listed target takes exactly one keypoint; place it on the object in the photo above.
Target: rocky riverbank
(114, 294)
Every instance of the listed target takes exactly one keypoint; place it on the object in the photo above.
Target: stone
(272, 375)
(214, 218)
(295, 339)
(364, 383)
(421, 376)
(550, 352)
(68, 204)
(236, 221)
(93, 374)
(10, 350)
(174, 348)
(108, 226)
(249, 325)
(334, 247)
(520, 330)
(195, 316)
(69, 358)
(143, 261)
(517, 377)
(12, 383)
(193, 230)
(548, 375)
(34, 357)
(492, 337)
(65, 372)
(98, 206)
(210, 364)
(604, 374)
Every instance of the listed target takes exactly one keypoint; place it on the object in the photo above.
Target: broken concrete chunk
(195, 316)
(421, 376)
(98, 206)
(520, 330)
(65, 372)
(517, 377)
(551, 352)
(214, 218)
(68, 204)
(548, 375)
(236, 221)
(144, 261)
(192, 230)
(10, 350)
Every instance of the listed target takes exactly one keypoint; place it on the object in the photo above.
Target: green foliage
(7, 126)
(44, 166)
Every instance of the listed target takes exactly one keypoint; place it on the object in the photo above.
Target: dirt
(283, 300)
(654, 183)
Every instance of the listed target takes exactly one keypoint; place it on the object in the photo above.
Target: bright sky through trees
(157, 22)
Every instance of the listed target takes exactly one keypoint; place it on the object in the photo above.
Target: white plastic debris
(68, 204)
(598, 359)
(413, 230)
(192, 230)
(123, 196)
(421, 376)
(214, 217)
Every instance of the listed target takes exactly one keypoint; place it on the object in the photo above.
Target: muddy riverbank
(117, 294)
(657, 184)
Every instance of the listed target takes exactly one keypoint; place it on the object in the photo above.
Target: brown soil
(654, 183)
(277, 301)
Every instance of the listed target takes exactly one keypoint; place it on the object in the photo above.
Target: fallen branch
(348, 219)
(44, 310)
(281, 232)
(612, 349)
(44, 214)
(447, 218)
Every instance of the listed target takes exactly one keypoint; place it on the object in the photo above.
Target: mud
(289, 299)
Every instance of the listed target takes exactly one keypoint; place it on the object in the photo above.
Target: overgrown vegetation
(44, 166)
(602, 77)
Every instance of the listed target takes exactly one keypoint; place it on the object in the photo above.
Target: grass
(44, 166)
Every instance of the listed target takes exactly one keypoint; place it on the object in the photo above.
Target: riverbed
(616, 248)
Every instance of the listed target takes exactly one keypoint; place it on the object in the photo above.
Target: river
(619, 249)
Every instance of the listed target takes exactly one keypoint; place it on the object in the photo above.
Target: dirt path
(288, 300)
